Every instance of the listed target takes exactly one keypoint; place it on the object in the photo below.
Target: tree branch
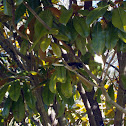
(37, 17)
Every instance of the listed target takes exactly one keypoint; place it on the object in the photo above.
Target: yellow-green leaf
(66, 88)
(56, 49)
(45, 43)
(52, 84)
(61, 74)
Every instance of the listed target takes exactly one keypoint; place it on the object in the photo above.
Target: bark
(40, 107)
(118, 120)
(95, 108)
(87, 105)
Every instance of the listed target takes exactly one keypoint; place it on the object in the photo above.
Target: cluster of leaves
(75, 35)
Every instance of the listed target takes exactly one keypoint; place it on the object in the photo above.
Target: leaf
(71, 33)
(33, 73)
(3, 90)
(98, 95)
(40, 30)
(84, 12)
(52, 84)
(95, 14)
(18, 110)
(65, 15)
(61, 74)
(119, 18)
(54, 31)
(62, 37)
(15, 90)
(47, 95)
(111, 37)
(7, 8)
(18, 2)
(81, 26)
(29, 97)
(111, 92)
(20, 10)
(24, 47)
(56, 49)
(69, 101)
(66, 88)
(81, 42)
(6, 108)
(122, 36)
(98, 39)
(61, 109)
(45, 43)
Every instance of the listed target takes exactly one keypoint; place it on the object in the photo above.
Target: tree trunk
(87, 105)
(95, 108)
(118, 120)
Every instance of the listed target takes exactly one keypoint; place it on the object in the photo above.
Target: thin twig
(107, 69)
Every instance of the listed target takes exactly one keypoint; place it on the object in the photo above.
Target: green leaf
(18, 110)
(2, 92)
(20, 10)
(56, 49)
(102, 3)
(47, 95)
(45, 43)
(108, 15)
(15, 90)
(98, 39)
(29, 97)
(54, 31)
(122, 36)
(66, 88)
(6, 108)
(40, 30)
(81, 42)
(47, 17)
(18, 2)
(61, 74)
(69, 101)
(121, 46)
(71, 33)
(62, 37)
(65, 15)
(52, 84)
(119, 18)
(7, 7)
(61, 109)
(98, 95)
(81, 26)
(111, 92)
(95, 14)
(111, 37)
(24, 47)
(84, 12)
